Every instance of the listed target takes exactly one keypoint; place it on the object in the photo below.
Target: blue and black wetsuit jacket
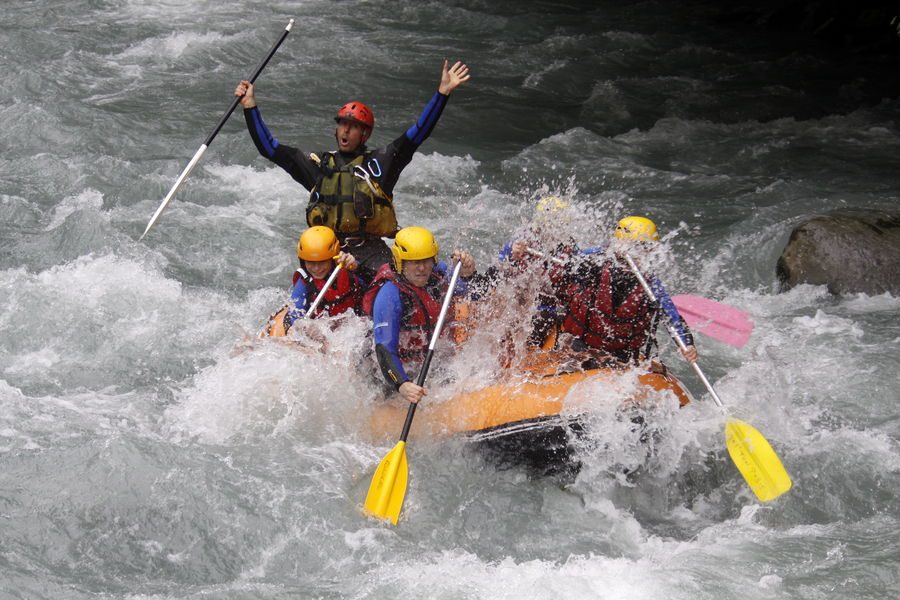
(387, 316)
(392, 158)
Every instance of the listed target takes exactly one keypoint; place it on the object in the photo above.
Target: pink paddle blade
(714, 319)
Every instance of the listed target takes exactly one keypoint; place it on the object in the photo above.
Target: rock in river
(847, 251)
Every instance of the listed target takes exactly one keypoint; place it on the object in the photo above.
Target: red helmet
(357, 112)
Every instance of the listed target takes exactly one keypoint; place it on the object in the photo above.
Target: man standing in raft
(351, 189)
(605, 307)
(405, 303)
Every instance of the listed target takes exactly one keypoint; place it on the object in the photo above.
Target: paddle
(540, 254)
(388, 487)
(215, 132)
(750, 451)
(714, 319)
(321, 295)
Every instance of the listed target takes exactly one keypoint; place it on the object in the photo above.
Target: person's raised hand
(347, 261)
(519, 250)
(453, 77)
(244, 91)
(468, 262)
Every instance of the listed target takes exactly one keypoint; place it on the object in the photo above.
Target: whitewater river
(147, 452)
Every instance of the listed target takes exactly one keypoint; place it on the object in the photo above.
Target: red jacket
(421, 309)
(345, 293)
(591, 315)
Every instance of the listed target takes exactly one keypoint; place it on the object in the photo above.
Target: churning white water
(149, 451)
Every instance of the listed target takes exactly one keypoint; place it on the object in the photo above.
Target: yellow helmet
(638, 229)
(318, 243)
(550, 204)
(413, 243)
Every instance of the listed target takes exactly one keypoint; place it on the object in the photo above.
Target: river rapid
(149, 451)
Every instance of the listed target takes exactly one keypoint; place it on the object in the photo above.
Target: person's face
(349, 135)
(639, 251)
(418, 271)
(318, 269)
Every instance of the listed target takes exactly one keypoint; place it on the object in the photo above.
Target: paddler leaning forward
(351, 190)
(404, 302)
(604, 306)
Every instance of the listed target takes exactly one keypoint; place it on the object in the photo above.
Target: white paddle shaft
(670, 326)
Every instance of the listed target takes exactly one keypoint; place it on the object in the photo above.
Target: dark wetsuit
(369, 251)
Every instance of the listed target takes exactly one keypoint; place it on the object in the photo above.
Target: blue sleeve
(298, 304)
(668, 307)
(297, 163)
(387, 311)
(443, 271)
(505, 251)
(265, 141)
(298, 296)
(423, 127)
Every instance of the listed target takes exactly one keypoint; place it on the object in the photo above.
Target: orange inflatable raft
(529, 418)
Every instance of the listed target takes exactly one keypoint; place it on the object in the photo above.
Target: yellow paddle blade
(388, 487)
(756, 460)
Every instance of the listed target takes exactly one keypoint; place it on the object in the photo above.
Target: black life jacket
(349, 199)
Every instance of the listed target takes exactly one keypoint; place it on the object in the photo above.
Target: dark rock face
(848, 252)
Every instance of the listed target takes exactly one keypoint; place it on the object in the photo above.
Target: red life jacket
(421, 309)
(591, 316)
(345, 293)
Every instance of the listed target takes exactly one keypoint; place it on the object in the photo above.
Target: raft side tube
(505, 405)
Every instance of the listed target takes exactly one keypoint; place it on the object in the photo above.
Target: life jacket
(344, 294)
(421, 310)
(350, 199)
(590, 314)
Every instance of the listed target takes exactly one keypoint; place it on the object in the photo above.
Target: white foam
(39, 360)
(279, 386)
(823, 323)
(534, 79)
(877, 449)
(47, 421)
(89, 199)
(94, 279)
(172, 46)
(456, 572)
(865, 304)
(629, 39)
(106, 310)
(613, 444)
(436, 173)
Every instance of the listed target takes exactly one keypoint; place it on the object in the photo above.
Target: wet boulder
(848, 252)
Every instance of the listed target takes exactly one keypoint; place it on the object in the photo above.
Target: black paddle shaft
(420, 381)
(253, 77)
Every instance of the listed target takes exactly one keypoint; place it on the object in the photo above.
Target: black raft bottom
(542, 446)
